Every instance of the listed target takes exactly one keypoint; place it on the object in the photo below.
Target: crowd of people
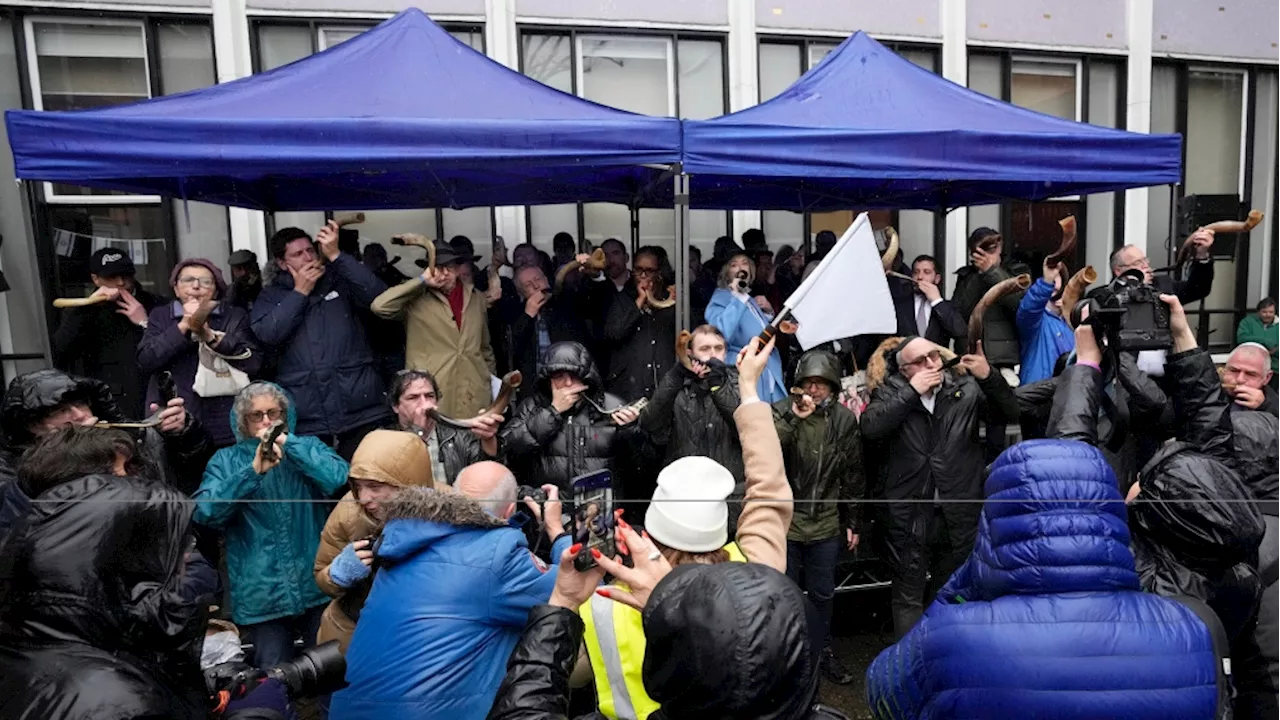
(328, 450)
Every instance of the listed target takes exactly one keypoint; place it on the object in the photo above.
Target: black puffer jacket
(923, 451)
(1194, 531)
(562, 446)
(1256, 455)
(178, 459)
(724, 641)
(999, 327)
(689, 416)
(92, 623)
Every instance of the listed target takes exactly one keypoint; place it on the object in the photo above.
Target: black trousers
(927, 543)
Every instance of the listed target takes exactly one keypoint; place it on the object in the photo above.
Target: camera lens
(318, 670)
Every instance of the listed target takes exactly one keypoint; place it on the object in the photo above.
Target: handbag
(214, 375)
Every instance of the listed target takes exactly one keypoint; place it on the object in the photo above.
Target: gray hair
(1258, 350)
(502, 495)
(244, 403)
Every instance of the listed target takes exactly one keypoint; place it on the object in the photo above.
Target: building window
(667, 74)
(80, 64)
(781, 63)
(279, 44)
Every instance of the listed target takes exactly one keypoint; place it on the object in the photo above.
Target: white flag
(847, 294)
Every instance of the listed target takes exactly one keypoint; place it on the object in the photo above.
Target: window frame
(573, 32)
(1182, 71)
(37, 100)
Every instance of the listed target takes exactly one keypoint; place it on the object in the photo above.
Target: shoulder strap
(1221, 650)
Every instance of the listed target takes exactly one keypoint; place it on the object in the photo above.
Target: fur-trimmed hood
(878, 367)
(420, 516)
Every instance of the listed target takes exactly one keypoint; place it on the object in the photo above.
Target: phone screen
(593, 516)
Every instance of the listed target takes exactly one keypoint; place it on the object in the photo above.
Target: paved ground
(861, 629)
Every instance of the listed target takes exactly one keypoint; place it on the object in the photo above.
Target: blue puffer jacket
(324, 359)
(452, 593)
(1046, 619)
(1044, 336)
(740, 322)
(271, 546)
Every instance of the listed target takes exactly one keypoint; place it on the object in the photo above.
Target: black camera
(1129, 315)
(317, 671)
(528, 491)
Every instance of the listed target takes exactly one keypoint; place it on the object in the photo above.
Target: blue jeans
(812, 566)
(273, 639)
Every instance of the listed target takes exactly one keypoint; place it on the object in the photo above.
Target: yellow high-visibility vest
(615, 644)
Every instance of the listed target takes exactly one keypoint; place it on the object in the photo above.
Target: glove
(718, 373)
(346, 569)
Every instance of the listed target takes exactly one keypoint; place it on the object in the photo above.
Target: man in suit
(921, 310)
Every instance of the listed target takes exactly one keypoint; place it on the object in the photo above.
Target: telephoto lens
(317, 671)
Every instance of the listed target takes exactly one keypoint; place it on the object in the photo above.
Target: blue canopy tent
(401, 116)
(869, 129)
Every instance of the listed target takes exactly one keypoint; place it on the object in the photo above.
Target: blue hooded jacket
(739, 322)
(1046, 618)
(271, 545)
(1044, 336)
(450, 598)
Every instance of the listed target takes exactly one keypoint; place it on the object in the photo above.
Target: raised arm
(767, 507)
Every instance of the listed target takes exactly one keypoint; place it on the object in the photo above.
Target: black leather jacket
(925, 451)
(1000, 339)
(688, 417)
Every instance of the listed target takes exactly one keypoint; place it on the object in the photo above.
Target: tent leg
(1171, 244)
(635, 230)
(681, 256)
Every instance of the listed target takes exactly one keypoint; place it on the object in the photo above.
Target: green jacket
(823, 456)
(272, 543)
(1251, 329)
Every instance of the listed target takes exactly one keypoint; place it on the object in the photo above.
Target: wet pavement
(861, 628)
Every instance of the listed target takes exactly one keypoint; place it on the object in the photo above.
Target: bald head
(491, 485)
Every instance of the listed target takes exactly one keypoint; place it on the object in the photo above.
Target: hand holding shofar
(406, 239)
(661, 304)
(510, 382)
(1068, 244)
(1222, 226)
(594, 265)
(997, 291)
(1074, 289)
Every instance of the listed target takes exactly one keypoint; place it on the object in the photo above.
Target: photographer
(1196, 526)
(271, 503)
(926, 417)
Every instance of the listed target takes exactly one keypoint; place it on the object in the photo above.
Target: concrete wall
(683, 12)
(911, 18)
(1072, 23)
(431, 7)
(1219, 28)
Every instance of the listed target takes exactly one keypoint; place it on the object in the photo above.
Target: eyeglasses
(645, 271)
(204, 282)
(273, 415)
(932, 356)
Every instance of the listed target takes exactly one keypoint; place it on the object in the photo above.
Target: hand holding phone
(594, 519)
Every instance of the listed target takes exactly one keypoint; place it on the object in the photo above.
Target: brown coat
(387, 456)
(461, 359)
(767, 508)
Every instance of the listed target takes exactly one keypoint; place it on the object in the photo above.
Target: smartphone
(594, 522)
(164, 383)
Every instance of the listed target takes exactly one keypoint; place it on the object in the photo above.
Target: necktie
(922, 316)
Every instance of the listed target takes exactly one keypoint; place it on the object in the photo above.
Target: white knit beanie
(688, 511)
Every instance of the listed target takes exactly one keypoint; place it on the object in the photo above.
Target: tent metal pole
(681, 255)
(28, 190)
(1172, 239)
(635, 230)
